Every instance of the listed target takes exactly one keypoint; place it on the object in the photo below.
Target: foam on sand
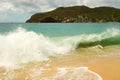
(76, 73)
(80, 73)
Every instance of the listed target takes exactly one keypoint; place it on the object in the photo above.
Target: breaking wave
(22, 46)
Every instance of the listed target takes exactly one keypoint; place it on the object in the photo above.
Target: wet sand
(108, 68)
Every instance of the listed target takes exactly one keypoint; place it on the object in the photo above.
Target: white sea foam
(73, 73)
(22, 46)
(80, 73)
(92, 37)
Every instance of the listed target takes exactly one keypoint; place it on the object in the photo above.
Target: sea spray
(23, 46)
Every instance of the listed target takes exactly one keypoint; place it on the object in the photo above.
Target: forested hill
(78, 14)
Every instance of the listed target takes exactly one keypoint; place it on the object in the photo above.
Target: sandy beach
(108, 68)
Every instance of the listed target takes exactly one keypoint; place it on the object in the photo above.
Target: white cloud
(5, 6)
(97, 3)
(28, 6)
(22, 7)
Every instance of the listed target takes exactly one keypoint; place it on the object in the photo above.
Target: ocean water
(23, 43)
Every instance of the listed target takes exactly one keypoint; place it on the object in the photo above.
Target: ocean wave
(109, 37)
(21, 46)
(103, 42)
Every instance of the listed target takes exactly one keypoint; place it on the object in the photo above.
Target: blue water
(60, 29)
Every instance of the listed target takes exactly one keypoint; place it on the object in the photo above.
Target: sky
(21, 10)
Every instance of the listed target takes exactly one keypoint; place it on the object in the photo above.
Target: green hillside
(78, 14)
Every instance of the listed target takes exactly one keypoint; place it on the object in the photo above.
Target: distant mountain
(78, 14)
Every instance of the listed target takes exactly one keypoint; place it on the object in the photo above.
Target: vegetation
(78, 14)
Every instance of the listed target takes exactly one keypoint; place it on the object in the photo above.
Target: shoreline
(106, 66)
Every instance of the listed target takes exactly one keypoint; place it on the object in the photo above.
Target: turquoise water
(60, 29)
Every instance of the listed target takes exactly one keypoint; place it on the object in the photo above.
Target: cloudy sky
(20, 10)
